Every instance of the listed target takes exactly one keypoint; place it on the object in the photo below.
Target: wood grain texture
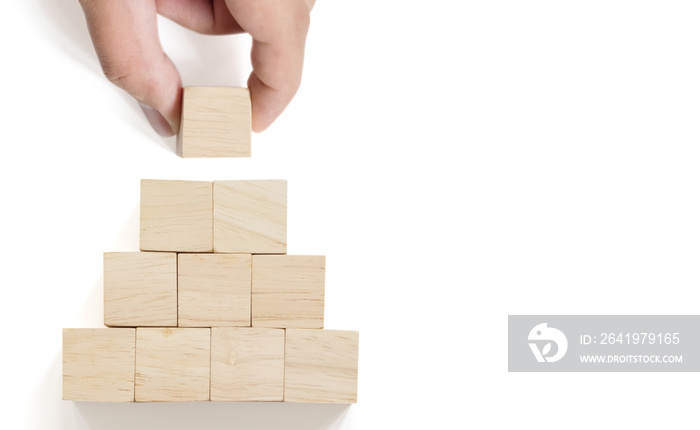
(216, 122)
(140, 289)
(247, 364)
(288, 291)
(250, 216)
(172, 364)
(176, 216)
(321, 366)
(214, 290)
(98, 364)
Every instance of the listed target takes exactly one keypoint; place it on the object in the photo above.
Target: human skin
(125, 36)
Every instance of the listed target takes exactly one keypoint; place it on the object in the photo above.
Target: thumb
(125, 36)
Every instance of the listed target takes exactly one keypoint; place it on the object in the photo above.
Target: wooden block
(288, 291)
(214, 290)
(247, 364)
(216, 122)
(250, 216)
(320, 366)
(140, 289)
(172, 364)
(98, 364)
(176, 216)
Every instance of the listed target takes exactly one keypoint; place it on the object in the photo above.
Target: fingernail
(157, 121)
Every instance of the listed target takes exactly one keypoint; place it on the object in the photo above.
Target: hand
(125, 36)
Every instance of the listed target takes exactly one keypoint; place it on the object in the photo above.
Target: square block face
(176, 216)
(288, 291)
(140, 289)
(247, 364)
(172, 364)
(98, 364)
(214, 290)
(216, 122)
(250, 216)
(321, 366)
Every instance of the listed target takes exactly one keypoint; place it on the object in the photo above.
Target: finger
(125, 37)
(202, 16)
(274, 81)
(278, 29)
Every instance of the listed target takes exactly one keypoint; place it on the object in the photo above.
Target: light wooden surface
(214, 290)
(321, 366)
(288, 291)
(172, 364)
(216, 122)
(250, 216)
(140, 289)
(247, 364)
(176, 216)
(98, 364)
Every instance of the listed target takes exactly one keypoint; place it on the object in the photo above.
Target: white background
(457, 161)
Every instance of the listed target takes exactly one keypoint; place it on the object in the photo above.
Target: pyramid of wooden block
(212, 308)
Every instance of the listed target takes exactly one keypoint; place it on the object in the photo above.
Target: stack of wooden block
(212, 308)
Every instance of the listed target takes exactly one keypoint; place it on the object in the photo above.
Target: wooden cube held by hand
(216, 122)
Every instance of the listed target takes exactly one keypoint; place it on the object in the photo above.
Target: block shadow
(213, 416)
(65, 27)
(50, 410)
